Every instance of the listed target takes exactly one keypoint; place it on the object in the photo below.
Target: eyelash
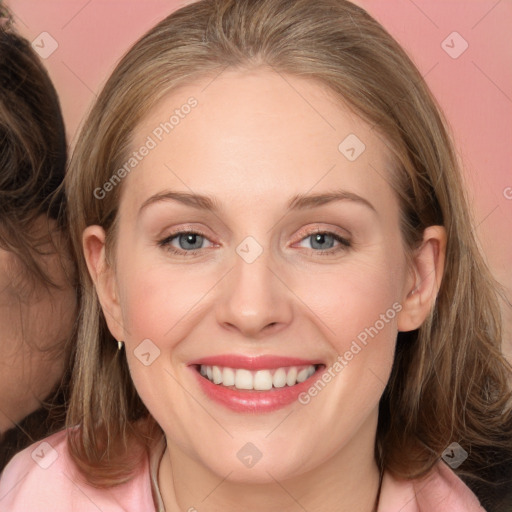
(165, 243)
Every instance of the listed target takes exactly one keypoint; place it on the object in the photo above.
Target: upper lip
(254, 363)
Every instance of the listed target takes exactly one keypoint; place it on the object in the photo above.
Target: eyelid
(345, 242)
(181, 231)
(186, 229)
(305, 232)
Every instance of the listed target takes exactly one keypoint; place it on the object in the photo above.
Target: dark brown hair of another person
(33, 155)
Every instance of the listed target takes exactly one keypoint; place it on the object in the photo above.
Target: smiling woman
(305, 223)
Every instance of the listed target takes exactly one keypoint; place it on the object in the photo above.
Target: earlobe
(423, 286)
(102, 275)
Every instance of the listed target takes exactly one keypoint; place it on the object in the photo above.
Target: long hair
(33, 156)
(450, 381)
(33, 152)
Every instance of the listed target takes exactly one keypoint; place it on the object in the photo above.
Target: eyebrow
(297, 202)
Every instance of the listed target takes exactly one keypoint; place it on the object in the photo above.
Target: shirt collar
(156, 454)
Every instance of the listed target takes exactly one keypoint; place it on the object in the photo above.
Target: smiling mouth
(260, 380)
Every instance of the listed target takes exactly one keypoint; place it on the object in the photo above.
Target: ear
(103, 276)
(424, 281)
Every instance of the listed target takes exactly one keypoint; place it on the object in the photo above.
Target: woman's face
(276, 285)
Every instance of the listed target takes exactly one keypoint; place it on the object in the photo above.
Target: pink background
(475, 89)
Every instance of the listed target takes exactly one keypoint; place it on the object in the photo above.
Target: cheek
(352, 300)
(158, 297)
(358, 307)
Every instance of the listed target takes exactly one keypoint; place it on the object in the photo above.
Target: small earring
(119, 345)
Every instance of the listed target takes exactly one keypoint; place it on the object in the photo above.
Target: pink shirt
(43, 478)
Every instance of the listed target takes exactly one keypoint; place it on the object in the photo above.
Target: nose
(254, 298)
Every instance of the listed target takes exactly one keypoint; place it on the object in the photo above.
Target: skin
(253, 142)
(35, 324)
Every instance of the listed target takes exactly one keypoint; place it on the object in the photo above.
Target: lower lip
(251, 400)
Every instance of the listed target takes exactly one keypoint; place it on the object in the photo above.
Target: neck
(347, 481)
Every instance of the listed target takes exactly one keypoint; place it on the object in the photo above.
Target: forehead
(259, 134)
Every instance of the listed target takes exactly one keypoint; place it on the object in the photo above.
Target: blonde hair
(450, 379)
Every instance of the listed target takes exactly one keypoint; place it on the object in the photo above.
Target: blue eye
(321, 238)
(190, 242)
(185, 240)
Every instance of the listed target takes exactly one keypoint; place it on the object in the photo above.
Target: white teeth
(228, 377)
(291, 378)
(261, 380)
(302, 375)
(217, 375)
(279, 379)
(243, 379)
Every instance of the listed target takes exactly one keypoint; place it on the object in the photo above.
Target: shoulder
(43, 477)
(440, 491)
